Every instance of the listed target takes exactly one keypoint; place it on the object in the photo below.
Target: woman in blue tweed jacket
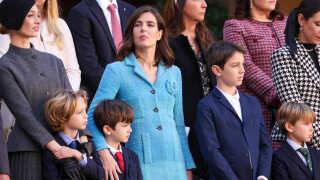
(145, 78)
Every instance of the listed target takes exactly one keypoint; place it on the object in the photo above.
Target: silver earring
(250, 4)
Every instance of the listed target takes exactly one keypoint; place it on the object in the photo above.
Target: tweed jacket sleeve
(178, 117)
(255, 78)
(108, 88)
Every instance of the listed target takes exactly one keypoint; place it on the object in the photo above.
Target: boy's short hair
(218, 53)
(110, 112)
(61, 106)
(293, 111)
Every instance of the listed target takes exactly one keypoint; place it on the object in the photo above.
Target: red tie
(116, 29)
(119, 157)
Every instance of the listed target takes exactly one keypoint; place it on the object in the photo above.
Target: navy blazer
(50, 171)
(233, 149)
(287, 164)
(131, 165)
(93, 41)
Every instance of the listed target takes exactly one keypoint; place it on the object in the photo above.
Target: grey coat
(27, 78)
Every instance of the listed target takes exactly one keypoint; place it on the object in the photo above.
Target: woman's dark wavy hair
(173, 18)
(308, 8)
(242, 11)
(163, 50)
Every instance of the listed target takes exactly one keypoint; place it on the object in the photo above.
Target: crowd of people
(120, 92)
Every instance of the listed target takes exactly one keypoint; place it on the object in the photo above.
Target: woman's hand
(109, 164)
(189, 174)
(66, 152)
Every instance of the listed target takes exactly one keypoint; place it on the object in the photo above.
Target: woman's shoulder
(284, 50)
(236, 22)
(48, 57)
(62, 23)
(175, 70)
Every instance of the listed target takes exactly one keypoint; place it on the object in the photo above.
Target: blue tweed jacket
(158, 138)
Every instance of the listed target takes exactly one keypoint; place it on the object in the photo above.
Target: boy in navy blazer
(66, 114)
(230, 127)
(113, 119)
(295, 160)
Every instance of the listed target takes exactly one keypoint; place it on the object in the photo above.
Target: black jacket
(192, 90)
(93, 41)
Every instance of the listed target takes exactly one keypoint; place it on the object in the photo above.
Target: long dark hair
(163, 50)
(242, 11)
(307, 8)
(173, 17)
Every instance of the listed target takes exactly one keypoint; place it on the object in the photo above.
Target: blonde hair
(51, 12)
(293, 111)
(61, 106)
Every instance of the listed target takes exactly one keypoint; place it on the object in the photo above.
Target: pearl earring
(250, 4)
(301, 28)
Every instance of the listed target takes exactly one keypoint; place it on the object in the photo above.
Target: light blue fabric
(163, 152)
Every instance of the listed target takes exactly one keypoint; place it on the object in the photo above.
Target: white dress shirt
(114, 151)
(296, 146)
(104, 4)
(234, 100)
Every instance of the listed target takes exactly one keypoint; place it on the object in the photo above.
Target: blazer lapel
(126, 160)
(292, 154)
(307, 63)
(131, 60)
(98, 13)
(60, 140)
(162, 70)
(244, 106)
(124, 16)
(315, 161)
(223, 100)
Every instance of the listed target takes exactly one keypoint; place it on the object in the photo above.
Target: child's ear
(216, 70)
(106, 130)
(289, 127)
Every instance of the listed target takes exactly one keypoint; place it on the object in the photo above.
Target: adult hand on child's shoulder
(109, 164)
(4, 177)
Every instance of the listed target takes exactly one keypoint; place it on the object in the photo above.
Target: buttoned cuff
(83, 162)
(262, 177)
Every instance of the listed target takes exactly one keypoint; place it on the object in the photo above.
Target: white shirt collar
(295, 145)
(104, 4)
(229, 96)
(114, 151)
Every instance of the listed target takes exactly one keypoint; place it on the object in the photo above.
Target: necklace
(310, 50)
